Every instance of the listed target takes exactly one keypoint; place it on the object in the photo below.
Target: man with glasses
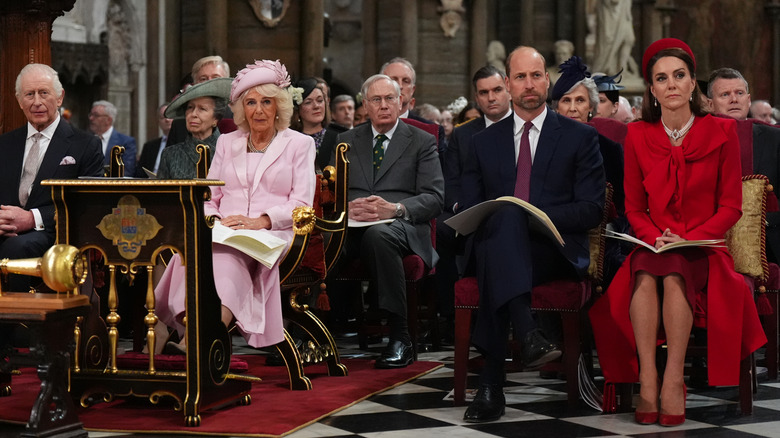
(395, 177)
(101, 123)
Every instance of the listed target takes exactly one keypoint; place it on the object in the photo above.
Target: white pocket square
(67, 160)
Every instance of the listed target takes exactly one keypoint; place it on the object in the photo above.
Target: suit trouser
(510, 260)
(447, 246)
(381, 249)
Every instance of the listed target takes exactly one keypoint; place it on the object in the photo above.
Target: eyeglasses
(96, 115)
(377, 100)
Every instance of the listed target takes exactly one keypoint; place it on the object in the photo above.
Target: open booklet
(260, 245)
(467, 221)
(668, 246)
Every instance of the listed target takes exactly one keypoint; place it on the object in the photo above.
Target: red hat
(662, 44)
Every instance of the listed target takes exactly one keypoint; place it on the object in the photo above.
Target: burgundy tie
(523, 181)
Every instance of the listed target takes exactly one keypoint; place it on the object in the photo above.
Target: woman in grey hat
(203, 106)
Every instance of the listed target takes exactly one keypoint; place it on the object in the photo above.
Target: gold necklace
(260, 150)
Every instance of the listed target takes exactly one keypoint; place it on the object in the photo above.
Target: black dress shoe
(397, 354)
(537, 350)
(488, 405)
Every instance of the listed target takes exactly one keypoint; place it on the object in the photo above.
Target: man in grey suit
(394, 174)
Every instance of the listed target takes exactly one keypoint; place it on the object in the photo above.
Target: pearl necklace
(260, 150)
(676, 134)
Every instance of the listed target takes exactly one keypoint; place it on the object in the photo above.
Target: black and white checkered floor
(535, 408)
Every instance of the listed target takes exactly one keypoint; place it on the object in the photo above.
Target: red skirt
(690, 263)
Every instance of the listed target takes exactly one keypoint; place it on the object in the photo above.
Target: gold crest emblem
(129, 227)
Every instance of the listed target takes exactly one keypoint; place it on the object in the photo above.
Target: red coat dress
(694, 190)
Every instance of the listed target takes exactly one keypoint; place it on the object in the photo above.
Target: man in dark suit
(493, 100)
(402, 71)
(394, 174)
(46, 147)
(152, 150)
(729, 95)
(554, 163)
(101, 123)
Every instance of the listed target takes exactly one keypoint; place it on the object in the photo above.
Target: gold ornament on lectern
(129, 226)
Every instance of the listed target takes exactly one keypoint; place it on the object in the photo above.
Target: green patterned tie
(379, 152)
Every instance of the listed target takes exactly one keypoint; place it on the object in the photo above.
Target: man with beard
(554, 163)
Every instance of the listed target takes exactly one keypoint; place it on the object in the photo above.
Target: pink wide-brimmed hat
(259, 73)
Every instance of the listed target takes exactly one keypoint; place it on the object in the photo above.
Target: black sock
(399, 328)
(521, 315)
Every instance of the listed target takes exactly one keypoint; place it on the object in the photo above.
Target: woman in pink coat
(268, 170)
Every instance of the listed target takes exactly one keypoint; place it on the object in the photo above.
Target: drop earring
(655, 102)
(691, 98)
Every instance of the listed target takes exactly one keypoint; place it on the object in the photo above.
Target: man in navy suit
(101, 123)
(566, 181)
(152, 150)
(46, 147)
(729, 95)
(493, 100)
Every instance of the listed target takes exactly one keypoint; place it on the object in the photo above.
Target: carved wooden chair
(319, 236)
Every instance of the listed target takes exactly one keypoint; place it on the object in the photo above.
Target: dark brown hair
(652, 113)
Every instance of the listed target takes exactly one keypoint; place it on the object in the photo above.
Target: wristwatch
(399, 210)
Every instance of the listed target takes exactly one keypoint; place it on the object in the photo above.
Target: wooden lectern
(130, 222)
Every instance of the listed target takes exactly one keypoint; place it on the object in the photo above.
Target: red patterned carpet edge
(275, 410)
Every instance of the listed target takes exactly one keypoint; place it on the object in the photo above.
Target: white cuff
(38, 220)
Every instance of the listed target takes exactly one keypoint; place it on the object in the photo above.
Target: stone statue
(496, 55)
(564, 50)
(614, 38)
(451, 18)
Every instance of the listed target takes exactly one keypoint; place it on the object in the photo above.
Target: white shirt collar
(388, 134)
(538, 121)
(47, 132)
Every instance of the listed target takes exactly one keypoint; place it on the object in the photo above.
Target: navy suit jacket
(766, 161)
(567, 177)
(84, 148)
(457, 155)
(148, 157)
(129, 157)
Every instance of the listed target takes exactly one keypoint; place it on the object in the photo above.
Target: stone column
(773, 9)
(25, 37)
(527, 23)
(649, 32)
(580, 26)
(312, 37)
(477, 38)
(667, 11)
(217, 28)
(368, 22)
(409, 30)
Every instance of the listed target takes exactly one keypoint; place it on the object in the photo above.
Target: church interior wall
(731, 33)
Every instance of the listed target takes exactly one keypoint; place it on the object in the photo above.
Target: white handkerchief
(67, 160)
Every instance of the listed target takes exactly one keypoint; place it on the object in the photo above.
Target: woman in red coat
(682, 182)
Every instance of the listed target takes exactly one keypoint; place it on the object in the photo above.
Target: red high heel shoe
(674, 420)
(646, 417)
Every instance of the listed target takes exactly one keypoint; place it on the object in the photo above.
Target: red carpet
(275, 410)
